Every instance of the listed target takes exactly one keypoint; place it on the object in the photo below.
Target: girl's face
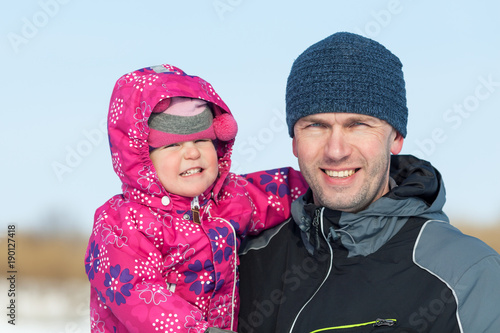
(186, 168)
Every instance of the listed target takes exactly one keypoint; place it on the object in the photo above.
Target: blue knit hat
(346, 72)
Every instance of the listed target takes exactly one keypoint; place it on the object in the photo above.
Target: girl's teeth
(340, 174)
(191, 172)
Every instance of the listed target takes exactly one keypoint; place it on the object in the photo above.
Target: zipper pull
(315, 221)
(195, 208)
(315, 230)
(384, 322)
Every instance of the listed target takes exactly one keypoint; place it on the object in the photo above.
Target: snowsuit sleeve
(128, 291)
(272, 193)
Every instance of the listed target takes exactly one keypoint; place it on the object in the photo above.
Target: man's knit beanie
(346, 72)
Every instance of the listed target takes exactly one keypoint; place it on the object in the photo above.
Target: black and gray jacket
(398, 266)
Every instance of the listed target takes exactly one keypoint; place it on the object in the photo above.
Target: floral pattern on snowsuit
(151, 268)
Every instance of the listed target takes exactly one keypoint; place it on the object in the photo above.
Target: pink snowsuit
(151, 268)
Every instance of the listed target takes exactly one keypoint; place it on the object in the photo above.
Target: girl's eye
(172, 145)
(203, 142)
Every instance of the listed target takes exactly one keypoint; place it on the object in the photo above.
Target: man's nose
(337, 146)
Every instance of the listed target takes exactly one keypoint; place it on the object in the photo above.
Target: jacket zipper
(195, 208)
(235, 258)
(315, 224)
(376, 323)
(318, 219)
(235, 277)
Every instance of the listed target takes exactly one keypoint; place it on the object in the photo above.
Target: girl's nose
(191, 151)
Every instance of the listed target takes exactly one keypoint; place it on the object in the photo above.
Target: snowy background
(61, 58)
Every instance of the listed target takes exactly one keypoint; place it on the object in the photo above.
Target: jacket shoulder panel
(469, 267)
(445, 251)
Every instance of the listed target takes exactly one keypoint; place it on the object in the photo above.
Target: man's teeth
(191, 172)
(340, 174)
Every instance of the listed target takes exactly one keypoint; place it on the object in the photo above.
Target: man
(368, 248)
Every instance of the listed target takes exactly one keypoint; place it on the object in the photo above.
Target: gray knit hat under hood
(346, 72)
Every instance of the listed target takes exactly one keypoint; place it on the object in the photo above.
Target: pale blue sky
(61, 59)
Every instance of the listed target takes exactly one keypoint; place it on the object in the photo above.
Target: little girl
(162, 256)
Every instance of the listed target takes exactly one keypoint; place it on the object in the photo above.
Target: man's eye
(315, 125)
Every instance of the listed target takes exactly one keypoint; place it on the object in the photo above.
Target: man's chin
(340, 201)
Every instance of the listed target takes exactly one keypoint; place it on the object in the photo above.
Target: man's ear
(294, 146)
(397, 143)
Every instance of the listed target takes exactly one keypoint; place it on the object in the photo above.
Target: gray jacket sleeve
(469, 267)
(478, 292)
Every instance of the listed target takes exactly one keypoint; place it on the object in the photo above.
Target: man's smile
(340, 174)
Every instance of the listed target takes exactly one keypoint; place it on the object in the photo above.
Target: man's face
(345, 158)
